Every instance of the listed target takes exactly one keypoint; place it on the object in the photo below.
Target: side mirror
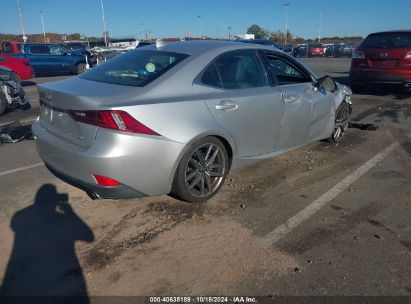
(328, 83)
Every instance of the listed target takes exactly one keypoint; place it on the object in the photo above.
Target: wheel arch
(225, 138)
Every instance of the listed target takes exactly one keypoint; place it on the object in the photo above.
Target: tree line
(279, 37)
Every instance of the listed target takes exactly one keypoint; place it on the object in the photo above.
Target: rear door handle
(290, 98)
(226, 105)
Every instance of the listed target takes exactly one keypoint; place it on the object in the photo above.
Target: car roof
(392, 31)
(201, 47)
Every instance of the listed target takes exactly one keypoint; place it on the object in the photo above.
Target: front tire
(80, 68)
(202, 171)
(342, 115)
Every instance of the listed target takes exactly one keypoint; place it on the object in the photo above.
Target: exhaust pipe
(93, 195)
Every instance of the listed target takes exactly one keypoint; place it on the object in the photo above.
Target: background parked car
(259, 41)
(13, 47)
(12, 95)
(334, 50)
(316, 50)
(383, 58)
(20, 66)
(301, 50)
(52, 59)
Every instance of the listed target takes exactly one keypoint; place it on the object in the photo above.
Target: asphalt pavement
(322, 220)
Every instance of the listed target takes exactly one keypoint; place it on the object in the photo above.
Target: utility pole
(42, 23)
(104, 23)
(286, 22)
(21, 20)
(199, 26)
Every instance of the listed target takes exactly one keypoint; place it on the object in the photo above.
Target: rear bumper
(117, 192)
(369, 76)
(144, 165)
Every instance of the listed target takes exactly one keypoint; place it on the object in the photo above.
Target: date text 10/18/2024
(202, 299)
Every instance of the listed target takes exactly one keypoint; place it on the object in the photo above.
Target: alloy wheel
(205, 170)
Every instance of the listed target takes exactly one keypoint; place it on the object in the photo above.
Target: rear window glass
(387, 41)
(134, 68)
(40, 49)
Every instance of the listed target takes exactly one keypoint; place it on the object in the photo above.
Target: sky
(177, 18)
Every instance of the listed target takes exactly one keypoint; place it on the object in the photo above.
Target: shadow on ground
(43, 261)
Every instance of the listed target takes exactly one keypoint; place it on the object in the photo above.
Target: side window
(40, 49)
(240, 70)
(210, 77)
(7, 47)
(285, 72)
(56, 50)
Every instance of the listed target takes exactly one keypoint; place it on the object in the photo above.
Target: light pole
(104, 23)
(142, 31)
(42, 23)
(21, 20)
(319, 28)
(199, 26)
(286, 22)
(229, 32)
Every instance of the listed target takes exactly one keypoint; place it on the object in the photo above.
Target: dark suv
(382, 58)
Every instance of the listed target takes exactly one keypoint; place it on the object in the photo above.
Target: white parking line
(21, 169)
(282, 230)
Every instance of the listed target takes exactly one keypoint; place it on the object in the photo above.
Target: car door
(236, 90)
(39, 56)
(307, 106)
(61, 59)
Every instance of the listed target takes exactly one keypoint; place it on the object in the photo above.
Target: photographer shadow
(43, 261)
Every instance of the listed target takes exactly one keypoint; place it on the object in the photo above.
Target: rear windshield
(387, 41)
(134, 68)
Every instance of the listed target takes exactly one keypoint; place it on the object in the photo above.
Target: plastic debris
(15, 132)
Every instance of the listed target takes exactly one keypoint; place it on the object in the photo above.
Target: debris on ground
(363, 126)
(15, 132)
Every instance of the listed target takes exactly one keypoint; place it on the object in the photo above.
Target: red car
(382, 58)
(20, 66)
(13, 47)
(317, 50)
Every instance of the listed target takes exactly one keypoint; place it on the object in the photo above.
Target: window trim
(255, 52)
(295, 64)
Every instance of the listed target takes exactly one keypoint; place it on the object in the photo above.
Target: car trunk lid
(58, 98)
(387, 59)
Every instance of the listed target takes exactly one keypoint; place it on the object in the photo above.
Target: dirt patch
(139, 227)
(207, 256)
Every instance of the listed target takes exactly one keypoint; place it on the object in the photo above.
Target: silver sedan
(176, 118)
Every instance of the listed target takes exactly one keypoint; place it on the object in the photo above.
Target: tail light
(358, 55)
(408, 56)
(111, 119)
(105, 181)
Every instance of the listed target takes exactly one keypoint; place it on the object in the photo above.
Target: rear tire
(80, 68)
(201, 172)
